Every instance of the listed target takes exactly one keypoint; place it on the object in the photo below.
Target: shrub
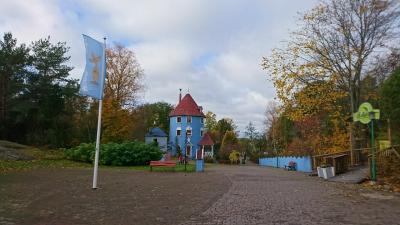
(254, 157)
(123, 154)
(208, 159)
(234, 157)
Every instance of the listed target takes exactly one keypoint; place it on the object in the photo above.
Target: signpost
(366, 115)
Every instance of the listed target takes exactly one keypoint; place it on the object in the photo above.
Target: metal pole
(273, 141)
(373, 174)
(186, 145)
(96, 158)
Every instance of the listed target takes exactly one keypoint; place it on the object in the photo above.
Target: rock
(386, 187)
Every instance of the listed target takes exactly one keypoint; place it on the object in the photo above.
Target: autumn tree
(124, 76)
(123, 82)
(327, 57)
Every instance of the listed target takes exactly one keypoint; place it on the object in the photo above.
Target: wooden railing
(360, 157)
(391, 152)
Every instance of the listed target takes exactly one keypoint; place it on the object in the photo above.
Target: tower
(186, 126)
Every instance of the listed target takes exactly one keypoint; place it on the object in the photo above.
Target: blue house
(156, 135)
(186, 127)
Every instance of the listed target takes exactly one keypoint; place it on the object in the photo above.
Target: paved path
(260, 195)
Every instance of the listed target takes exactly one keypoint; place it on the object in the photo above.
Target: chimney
(180, 95)
(201, 108)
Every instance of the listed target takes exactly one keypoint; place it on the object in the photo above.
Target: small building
(207, 145)
(186, 127)
(156, 135)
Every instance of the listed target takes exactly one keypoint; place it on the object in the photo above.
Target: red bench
(162, 164)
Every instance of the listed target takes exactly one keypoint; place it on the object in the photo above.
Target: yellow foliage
(117, 123)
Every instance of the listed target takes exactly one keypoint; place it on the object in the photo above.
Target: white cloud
(213, 48)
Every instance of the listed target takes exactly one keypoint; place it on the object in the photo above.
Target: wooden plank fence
(361, 156)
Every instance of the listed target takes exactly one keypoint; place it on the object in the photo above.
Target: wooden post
(351, 144)
(389, 132)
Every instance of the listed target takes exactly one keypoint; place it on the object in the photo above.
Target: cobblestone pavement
(260, 195)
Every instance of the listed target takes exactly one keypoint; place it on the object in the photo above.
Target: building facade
(186, 127)
(156, 135)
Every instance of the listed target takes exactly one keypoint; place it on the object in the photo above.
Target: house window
(178, 132)
(188, 132)
(178, 119)
(188, 150)
(201, 133)
(202, 120)
(189, 119)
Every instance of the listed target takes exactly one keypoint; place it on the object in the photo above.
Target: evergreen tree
(14, 60)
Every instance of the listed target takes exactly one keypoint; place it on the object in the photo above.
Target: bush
(254, 157)
(234, 157)
(208, 159)
(123, 154)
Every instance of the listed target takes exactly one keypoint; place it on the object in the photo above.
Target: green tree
(211, 121)
(150, 115)
(229, 143)
(14, 60)
(48, 91)
(390, 102)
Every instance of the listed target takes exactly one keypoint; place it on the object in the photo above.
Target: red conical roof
(206, 140)
(187, 107)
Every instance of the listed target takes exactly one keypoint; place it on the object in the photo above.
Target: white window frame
(180, 129)
(187, 119)
(191, 131)
(179, 118)
(202, 120)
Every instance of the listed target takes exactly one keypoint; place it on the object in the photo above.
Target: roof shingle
(206, 140)
(187, 107)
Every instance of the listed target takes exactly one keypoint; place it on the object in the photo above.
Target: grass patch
(35, 158)
(19, 166)
(9, 166)
(179, 168)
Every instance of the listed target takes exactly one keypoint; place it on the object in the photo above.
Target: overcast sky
(211, 47)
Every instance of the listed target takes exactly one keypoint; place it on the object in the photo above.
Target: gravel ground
(65, 197)
(274, 196)
(222, 195)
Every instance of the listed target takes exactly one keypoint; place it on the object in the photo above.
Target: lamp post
(373, 160)
(366, 115)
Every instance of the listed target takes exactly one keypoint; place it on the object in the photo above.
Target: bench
(291, 166)
(162, 164)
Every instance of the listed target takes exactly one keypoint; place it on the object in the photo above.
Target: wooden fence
(361, 156)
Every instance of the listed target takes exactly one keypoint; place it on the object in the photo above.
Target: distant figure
(180, 159)
(244, 158)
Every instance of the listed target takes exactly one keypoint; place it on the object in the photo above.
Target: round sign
(364, 112)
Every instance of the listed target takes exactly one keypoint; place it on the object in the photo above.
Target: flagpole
(96, 158)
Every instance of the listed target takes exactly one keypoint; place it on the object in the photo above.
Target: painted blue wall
(302, 163)
(196, 126)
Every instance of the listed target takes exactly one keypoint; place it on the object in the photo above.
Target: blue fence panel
(302, 163)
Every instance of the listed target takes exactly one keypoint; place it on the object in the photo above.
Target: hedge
(116, 154)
